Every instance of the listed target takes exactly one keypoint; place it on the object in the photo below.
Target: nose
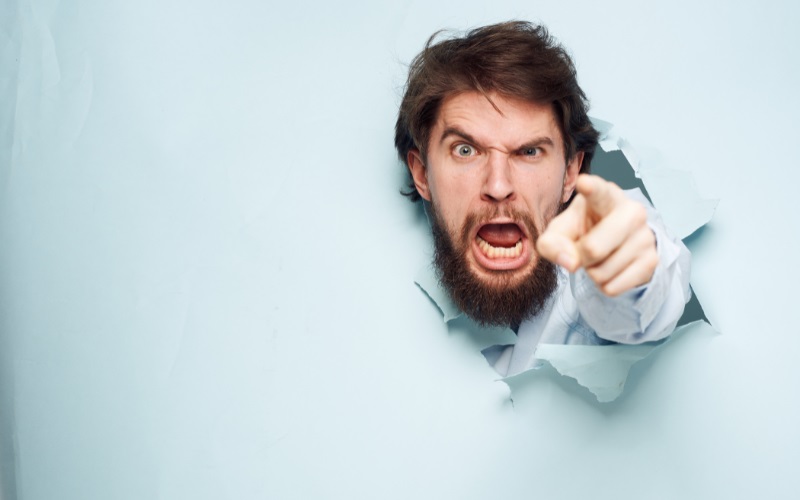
(498, 184)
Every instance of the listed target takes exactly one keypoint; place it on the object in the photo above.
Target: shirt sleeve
(646, 313)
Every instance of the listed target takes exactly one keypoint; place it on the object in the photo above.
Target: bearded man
(494, 130)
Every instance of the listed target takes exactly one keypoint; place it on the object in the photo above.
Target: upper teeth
(495, 252)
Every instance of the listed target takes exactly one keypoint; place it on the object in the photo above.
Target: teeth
(500, 252)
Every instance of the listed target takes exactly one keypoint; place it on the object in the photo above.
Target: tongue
(501, 235)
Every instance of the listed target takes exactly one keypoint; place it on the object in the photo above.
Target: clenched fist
(604, 232)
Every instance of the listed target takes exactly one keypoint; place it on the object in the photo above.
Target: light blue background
(206, 270)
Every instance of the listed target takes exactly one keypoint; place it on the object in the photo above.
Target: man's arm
(630, 277)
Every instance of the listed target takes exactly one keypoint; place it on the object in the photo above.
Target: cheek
(545, 203)
(453, 214)
(453, 195)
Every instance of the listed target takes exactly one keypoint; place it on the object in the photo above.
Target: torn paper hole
(603, 369)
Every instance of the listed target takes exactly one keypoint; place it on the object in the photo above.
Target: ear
(571, 176)
(419, 173)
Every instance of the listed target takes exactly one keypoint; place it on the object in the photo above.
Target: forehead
(501, 119)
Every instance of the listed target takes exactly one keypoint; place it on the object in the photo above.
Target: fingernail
(565, 260)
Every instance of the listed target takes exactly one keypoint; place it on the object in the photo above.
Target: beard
(507, 297)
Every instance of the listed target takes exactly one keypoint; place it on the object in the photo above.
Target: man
(493, 128)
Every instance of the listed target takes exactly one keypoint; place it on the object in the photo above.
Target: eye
(531, 151)
(464, 150)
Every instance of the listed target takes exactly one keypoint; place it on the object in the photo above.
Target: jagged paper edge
(673, 191)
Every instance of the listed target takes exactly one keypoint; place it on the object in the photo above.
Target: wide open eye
(464, 150)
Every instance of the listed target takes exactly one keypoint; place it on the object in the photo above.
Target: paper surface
(208, 294)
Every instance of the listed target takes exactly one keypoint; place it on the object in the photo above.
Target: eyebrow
(450, 131)
(532, 143)
(538, 141)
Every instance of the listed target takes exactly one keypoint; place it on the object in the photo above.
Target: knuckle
(647, 265)
(649, 236)
(645, 240)
(591, 250)
(652, 261)
(598, 275)
(638, 214)
(611, 291)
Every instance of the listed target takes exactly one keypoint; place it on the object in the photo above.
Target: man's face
(495, 178)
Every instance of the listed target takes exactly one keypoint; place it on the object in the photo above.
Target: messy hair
(514, 59)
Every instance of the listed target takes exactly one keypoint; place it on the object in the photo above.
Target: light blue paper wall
(207, 275)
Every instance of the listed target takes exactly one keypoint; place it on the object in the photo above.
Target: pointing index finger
(601, 195)
(557, 242)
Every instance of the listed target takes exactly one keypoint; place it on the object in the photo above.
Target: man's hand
(604, 232)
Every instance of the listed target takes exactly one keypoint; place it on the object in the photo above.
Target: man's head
(494, 131)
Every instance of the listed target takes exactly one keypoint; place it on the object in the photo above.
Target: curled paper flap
(603, 369)
(610, 141)
(674, 193)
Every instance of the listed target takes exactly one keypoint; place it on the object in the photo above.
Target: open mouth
(501, 246)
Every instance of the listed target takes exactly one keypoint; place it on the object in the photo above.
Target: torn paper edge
(669, 188)
(427, 282)
(585, 372)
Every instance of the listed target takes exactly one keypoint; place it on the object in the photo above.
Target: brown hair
(515, 59)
